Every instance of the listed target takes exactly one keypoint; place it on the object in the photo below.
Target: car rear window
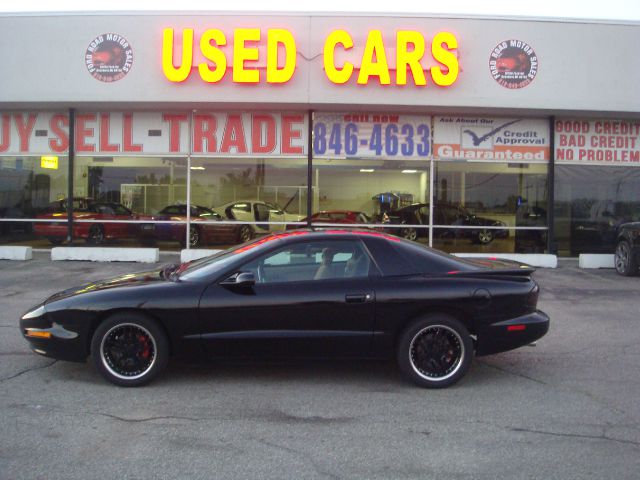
(388, 259)
(402, 257)
(430, 261)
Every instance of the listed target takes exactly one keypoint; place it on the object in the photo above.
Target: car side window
(104, 209)
(121, 210)
(243, 207)
(261, 212)
(326, 260)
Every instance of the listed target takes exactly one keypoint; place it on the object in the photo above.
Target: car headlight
(35, 313)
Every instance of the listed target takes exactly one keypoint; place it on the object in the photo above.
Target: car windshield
(208, 266)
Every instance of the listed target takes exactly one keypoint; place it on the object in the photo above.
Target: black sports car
(326, 293)
(444, 214)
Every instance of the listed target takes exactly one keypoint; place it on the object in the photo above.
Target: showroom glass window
(597, 183)
(372, 169)
(490, 184)
(33, 171)
(130, 166)
(251, 169)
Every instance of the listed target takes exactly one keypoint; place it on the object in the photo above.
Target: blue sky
(591, 9)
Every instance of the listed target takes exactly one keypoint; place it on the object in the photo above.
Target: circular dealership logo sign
(109, 57)
(513, 64)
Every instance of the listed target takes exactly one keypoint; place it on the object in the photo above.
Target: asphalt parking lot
(567, 409)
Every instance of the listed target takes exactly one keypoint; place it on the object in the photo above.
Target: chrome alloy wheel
(128, 351)
(245, 233)
(436, 352)
(485, 236)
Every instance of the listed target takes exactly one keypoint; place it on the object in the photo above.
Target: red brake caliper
(146, 347)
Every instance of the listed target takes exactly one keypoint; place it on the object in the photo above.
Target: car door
(262, 215)
(306, 301)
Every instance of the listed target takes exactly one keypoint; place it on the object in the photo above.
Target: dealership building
(470, 134)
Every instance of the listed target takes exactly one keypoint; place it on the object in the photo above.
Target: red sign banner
(608, 142)
(214, 134)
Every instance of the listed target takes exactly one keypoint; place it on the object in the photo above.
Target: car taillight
(532, 297)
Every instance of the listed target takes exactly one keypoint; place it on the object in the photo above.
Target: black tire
(435, 351)
(245, 233)
(626, 264)
(409, 233)
(55, 240)
(485, 237)
(129, 331)
(96, 235)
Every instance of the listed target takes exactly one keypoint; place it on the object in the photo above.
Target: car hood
(121, 281)
(292, 217)
(473, 220)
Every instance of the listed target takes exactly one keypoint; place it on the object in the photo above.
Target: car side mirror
(240, 279)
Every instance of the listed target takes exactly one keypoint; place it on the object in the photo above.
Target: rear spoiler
(524, 271)
(495, 266)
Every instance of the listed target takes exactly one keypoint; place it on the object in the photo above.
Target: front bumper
(513, 333)
(64, 342)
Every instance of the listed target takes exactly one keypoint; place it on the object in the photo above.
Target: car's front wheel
(96, 235)
(435, 351)
(129, 349)
(245, 233)
(624, 260)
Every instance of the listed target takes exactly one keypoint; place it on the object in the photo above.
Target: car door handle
(358, 297)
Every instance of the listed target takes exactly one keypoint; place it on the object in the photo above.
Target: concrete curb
(16, 253)
(542, 260)
(195, 254)
(596, 260)
(102, 254)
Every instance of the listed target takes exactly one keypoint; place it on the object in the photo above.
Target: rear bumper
(512, 333)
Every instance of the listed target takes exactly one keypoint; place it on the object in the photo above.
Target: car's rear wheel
(55, 240)
(625, 262)
(435, 351)
(96, 235)
(485, 236)
(129, 349)
(195, 237)
(409, 233)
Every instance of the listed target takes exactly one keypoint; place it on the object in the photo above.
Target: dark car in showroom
(202, 229)
(627, 253)
(444, 214)
(305, 293)
(109, 221)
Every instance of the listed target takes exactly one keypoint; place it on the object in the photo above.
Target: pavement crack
(22, 372)
(574, 435)
(303, 455)
(512, 373)
(146, 419)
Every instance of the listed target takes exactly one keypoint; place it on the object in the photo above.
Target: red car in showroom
(201, 231)
(338, 216)
(95, 232)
